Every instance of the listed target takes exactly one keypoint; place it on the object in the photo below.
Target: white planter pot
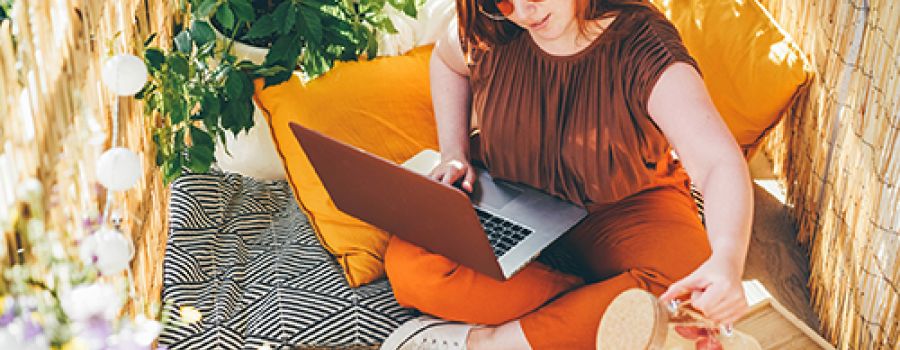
(253, 153)
(244, 51)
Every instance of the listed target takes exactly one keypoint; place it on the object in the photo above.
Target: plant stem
(231, 39)
(59, 313)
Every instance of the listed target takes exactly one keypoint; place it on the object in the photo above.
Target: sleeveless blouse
(577, 127)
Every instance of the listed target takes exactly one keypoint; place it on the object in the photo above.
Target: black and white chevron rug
(242, 253)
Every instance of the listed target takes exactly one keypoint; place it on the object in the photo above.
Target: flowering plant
(53, 296)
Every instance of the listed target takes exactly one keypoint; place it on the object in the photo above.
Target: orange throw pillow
(752, 68)
(382, 106)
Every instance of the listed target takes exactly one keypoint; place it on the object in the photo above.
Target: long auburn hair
(480, 31)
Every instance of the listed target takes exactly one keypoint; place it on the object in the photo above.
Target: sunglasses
(497, 10)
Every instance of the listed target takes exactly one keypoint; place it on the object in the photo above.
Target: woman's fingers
(708, 299)
(469, 179)
(451, 175)
(451, 171)
(687, 285)
(737, 308)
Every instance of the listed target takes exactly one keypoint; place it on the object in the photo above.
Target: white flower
(145, 330)
(108, 249)
(137, 334)
(13, 337)
(86, 301)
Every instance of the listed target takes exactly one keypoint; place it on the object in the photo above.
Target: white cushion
(253, 153)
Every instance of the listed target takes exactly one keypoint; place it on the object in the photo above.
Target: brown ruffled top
(577, 126)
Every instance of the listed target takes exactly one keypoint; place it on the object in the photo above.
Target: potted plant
(200, 90)
(312, 34)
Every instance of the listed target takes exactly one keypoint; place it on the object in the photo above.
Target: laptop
(496, 230)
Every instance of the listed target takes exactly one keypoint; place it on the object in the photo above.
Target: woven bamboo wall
(57, 118)
(838, 153)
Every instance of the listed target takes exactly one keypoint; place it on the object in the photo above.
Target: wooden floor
(775, 259)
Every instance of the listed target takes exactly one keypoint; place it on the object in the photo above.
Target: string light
(119, 169)
(124, 75)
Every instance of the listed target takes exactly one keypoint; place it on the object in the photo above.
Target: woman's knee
(413, 273)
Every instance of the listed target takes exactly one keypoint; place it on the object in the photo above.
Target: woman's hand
(715, 289)
(452, 169)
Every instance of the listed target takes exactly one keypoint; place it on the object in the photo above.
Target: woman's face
(546, 20)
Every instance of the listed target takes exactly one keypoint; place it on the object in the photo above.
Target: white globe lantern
(119, 168)
(108, 249)
(124, 75)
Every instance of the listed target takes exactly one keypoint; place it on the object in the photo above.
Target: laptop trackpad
(493, 194)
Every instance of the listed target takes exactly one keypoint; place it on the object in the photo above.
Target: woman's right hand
(454, 169)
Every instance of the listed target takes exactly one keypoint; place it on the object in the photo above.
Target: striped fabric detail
(242, 253)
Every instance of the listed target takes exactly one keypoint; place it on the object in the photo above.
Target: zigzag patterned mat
(242, 253)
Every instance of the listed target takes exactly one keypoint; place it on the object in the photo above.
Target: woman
(581, 99)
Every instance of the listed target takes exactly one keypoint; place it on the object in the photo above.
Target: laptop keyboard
(503, 234)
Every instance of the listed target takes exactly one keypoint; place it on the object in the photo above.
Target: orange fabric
(647, 241)
(382, 106)
(752, 68)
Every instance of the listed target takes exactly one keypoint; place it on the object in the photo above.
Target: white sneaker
(428, 333)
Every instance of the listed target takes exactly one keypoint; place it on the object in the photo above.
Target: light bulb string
(114, 143)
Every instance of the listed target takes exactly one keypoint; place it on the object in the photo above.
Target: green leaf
(246, 64)
(282, 50)
(224, 143)
(179, 111)
(269, 71)
(313, 25)
(243, 9)
(289, 19)
(183, 42)
(154, 58)
(225, 18)
(231, 117)
(140, 94)
(262, 28)
(409, 8)
(278, 78)
(178, 144)
(210, 109)
(178, 64)
(281, 12)
(234, 86)
(200, 138)
(372, 47)
(201, 158)
(206, 49)
(316, 4)
(206, 8)
(388, 25)
(202, 32)
(172, 169)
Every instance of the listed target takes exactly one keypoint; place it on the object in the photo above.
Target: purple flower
(32, 329)
(8, 316)
(98, 328)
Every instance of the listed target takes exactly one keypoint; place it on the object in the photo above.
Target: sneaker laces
(438, 344)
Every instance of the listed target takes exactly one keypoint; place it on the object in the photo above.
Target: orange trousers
(648, 240)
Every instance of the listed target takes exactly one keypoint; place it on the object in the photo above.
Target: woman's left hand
(715, 289)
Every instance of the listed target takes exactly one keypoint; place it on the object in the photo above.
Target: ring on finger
(456, 164)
